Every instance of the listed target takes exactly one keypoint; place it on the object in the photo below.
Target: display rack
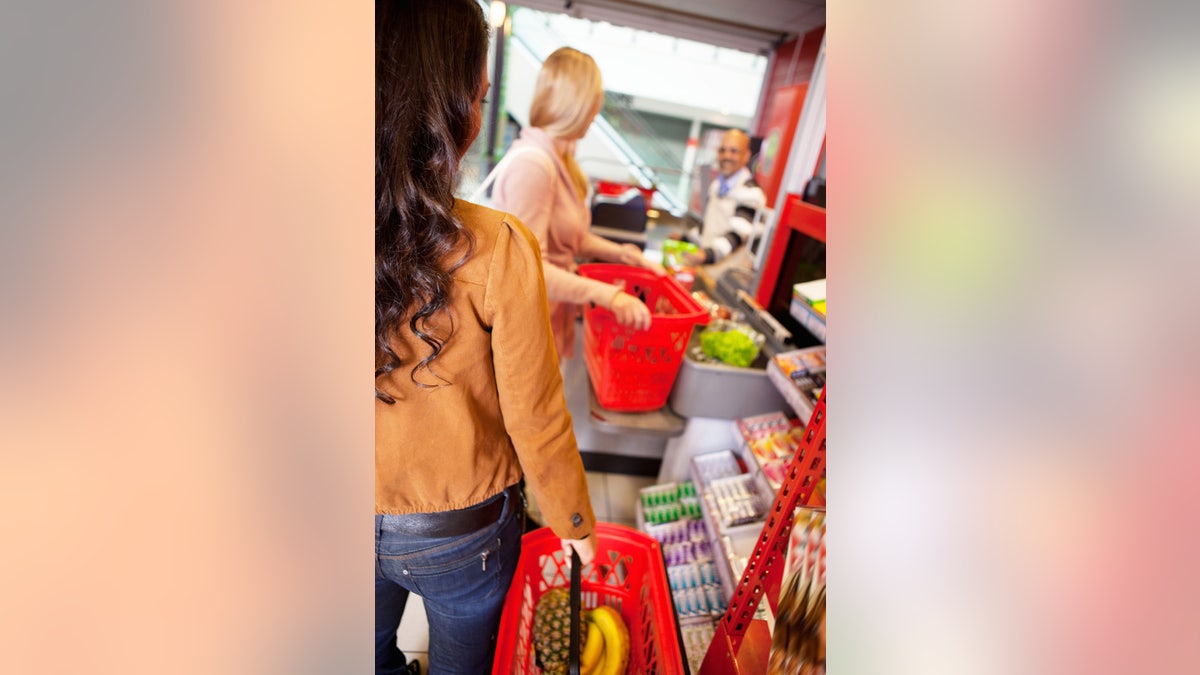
(741, 643)
(769, 442)
(811, 319)
(731, 542)
(800, 403)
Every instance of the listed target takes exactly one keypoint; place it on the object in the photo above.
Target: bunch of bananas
(604, 646)
(606, 649)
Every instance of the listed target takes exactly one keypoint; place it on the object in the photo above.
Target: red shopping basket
(628, 574)
(632, 370)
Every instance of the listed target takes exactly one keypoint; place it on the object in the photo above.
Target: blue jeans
(462, 580)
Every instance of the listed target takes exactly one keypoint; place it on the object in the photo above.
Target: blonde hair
(567, 93)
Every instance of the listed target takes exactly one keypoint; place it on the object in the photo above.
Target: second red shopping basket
(628, 574)
(634, 370)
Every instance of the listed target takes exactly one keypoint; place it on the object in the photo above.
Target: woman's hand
(630, 311)
(632, 255)
(586, 548)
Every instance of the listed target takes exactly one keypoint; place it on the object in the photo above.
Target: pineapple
(552, 633)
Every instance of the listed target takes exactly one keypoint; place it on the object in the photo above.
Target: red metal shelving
(742, 643)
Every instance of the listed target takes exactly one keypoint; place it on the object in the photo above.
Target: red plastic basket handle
(573, 648)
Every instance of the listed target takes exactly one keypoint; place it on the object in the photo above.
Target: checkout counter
(706, 396)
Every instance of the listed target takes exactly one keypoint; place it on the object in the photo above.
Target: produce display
(674, 251)
(731, 342)
(604, 638)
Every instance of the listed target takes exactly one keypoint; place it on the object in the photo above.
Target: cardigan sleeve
(530, 385)
(526, 189)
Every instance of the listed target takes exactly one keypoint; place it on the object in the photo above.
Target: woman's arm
(525, 189)
(562, 286)
(529, 385)
(596, 247)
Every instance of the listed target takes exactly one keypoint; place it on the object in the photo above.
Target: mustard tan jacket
(495, 407)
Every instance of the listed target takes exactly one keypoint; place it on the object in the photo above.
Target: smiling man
(734, 200)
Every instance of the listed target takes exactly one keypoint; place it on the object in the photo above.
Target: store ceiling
(749, 25)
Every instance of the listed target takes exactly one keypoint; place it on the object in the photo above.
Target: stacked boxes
(671, 513)
(772, 439)
(800, 377)
(669, 502)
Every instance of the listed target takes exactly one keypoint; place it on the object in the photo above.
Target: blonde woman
(541, 184)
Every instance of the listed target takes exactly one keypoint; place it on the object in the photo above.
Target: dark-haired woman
(468, 394)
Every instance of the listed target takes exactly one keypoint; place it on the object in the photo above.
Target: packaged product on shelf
(736, 500)
(806, 543)
(762, 426)
(811, 293)
(686, 549)
(798, 640)
(669, 502)
(800, 377)
(772, 440)
(808, 307)
(697, 636)
(800, 364)
(715, 465)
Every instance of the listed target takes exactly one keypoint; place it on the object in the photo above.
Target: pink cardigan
(535, 187)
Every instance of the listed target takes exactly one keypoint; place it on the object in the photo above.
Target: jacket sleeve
(526, 189)
(530, 385)
(749, 198)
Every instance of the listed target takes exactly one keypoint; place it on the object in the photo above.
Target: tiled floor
(614, 499)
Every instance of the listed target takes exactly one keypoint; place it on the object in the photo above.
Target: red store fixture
(742, 644)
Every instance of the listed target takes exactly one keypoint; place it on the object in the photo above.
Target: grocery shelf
(671, 514)
(742, 642)
(798, 401)
(811, 319)
(723, 542)
(768, 443)
(731, 544)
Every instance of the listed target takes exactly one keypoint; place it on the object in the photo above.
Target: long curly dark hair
(429, 59)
